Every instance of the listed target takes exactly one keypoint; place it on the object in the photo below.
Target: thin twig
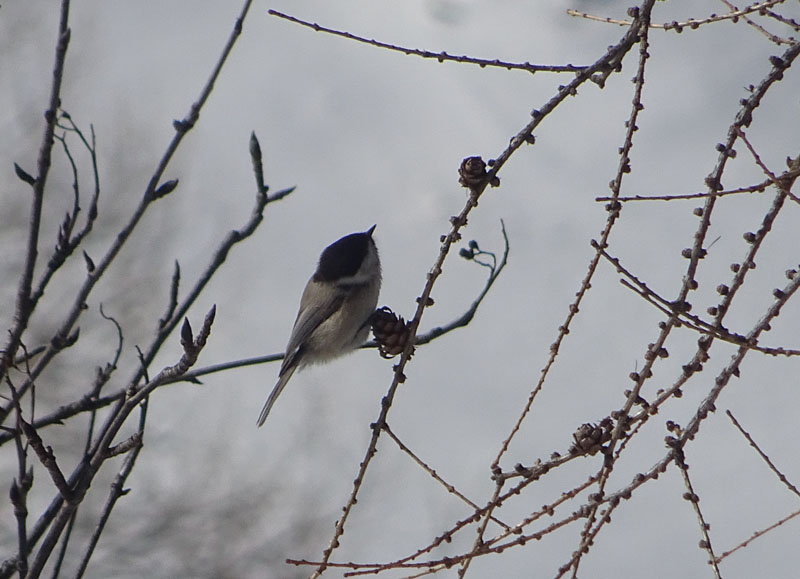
(134, 445)
(757, 188)
(421, 463)
(24, 305)
(47, 458)
(690, 320)
(478, 547)
(772, 37)
(69, 240)
(18, 494)
(530, 475)
(439, 56)
(780, 182)
(794, 24)
(173, 296)
(691, 496)
(758, 534)
(763, 455)
(691, 23)
(466, 318)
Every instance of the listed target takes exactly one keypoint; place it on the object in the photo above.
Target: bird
(336, 308)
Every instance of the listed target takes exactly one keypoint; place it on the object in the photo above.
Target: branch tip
(187, 339)
(24, 175)
(165, 189)
(89, 262)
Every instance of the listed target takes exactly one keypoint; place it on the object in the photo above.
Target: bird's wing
(308, 320)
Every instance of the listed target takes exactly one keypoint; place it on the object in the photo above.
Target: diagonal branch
(421, 463)
(691, 496)
(763, 455)
(758, 534)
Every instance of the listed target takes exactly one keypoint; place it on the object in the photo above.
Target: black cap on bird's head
(344, 257)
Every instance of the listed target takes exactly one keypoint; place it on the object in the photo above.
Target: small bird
(335, 310)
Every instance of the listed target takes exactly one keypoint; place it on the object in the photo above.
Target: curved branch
(439, 56)
(466, 318)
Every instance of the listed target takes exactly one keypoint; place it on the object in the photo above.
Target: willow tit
(335, 310)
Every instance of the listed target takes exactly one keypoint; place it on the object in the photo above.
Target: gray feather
(276, 391)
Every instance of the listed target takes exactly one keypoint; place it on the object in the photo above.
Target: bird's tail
(276, 391)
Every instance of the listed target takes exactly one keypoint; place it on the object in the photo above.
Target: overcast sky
(369, 137)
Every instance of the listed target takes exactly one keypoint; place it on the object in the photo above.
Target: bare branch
(450, 488)
(148, 197)
(173, 296)
(133, 446)
(62, 511)
(24, 305)
(786, 180)
(758, 534)
(692, 23)
(772, 37)
(466, 318)
(757, 188)
(763, 455)
(439, 56)
(46, 457)
(691, 496)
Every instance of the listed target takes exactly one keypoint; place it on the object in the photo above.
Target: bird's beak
(370, 230)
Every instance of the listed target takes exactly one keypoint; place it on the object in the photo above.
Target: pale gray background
(369, 137)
